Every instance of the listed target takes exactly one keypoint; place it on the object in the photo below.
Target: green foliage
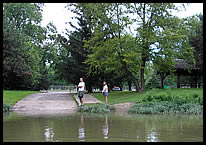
(196, 38)
(6, 107)
(155, 96)
(155, 102)
(100, 108)
(165, 107)
(25, 47)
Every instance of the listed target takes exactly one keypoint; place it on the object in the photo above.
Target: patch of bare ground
(123, 107)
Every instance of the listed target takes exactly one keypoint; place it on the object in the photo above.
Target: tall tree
(24, 56)
(150, 19)
(107, 44)
(18, 21)
(73, 67)
(172, 44)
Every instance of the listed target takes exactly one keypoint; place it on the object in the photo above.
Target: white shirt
(105, 89)
(83, 86)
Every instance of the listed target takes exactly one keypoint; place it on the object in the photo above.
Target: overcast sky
(58, 14)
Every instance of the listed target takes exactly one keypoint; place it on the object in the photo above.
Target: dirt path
(46, 103)
(123, 107)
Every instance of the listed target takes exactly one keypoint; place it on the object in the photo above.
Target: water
(87, 127)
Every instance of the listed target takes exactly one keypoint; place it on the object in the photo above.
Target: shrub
(6, 107)
(154, 96)
(190, 108)
(165, 107)
(195, 95)
(100, 108)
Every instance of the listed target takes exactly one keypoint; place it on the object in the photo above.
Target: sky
(58, 14)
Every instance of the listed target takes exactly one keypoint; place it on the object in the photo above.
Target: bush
(190, 108)
(166, 107)
(157, 96)
(6, 107)
(195, 95)
(100, 108)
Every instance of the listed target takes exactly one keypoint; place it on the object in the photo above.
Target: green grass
(12, 97)
(120, 97)
(126, 96)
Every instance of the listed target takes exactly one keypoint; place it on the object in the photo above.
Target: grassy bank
(12, 97)
(97, 108)
(126, 96)
(177, 100)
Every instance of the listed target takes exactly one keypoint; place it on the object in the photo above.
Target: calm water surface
(81, 127)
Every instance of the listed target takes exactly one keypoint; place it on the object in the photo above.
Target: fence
(69, 88)
(189, 86)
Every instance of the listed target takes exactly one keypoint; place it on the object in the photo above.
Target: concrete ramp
(46, 103)
(87, 99)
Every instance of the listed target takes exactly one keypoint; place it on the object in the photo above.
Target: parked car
(116, 89)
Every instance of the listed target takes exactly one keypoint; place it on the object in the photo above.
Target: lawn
(126, 96)
(11, 97)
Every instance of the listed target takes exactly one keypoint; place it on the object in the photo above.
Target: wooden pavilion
(183, 68)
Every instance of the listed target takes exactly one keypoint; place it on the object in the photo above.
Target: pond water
(114, 127)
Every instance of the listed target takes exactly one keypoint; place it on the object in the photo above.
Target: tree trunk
(178, 81)
(194, 81)
(142, 72)
(162, 77)
(138, 89)
(142, 78)
(162, 82)
(89, 84)
(130, 84)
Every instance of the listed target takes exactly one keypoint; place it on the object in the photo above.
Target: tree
(173, 38)
(150, 19)
(107, 41)
(73, 65)
(24, 56)
(109, 32)
(195, 24)
(74, 54)
(18, 20)
(196, 37)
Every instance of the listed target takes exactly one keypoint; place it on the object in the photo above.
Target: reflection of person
(49, 134)
(81, 87)
(106, 128)
(81, 128)
(105, 91)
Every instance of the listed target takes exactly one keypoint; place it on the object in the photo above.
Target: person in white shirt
(81, 88)
(105, 91)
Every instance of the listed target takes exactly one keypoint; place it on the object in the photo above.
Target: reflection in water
(49, 134)
(105, 128)
(81, 128)
(152, 137)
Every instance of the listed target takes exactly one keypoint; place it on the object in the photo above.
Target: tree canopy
(113, 42)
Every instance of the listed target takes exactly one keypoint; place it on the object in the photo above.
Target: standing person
(105, 91)
(81, 87)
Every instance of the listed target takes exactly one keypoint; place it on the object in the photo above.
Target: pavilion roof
(183, 64)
